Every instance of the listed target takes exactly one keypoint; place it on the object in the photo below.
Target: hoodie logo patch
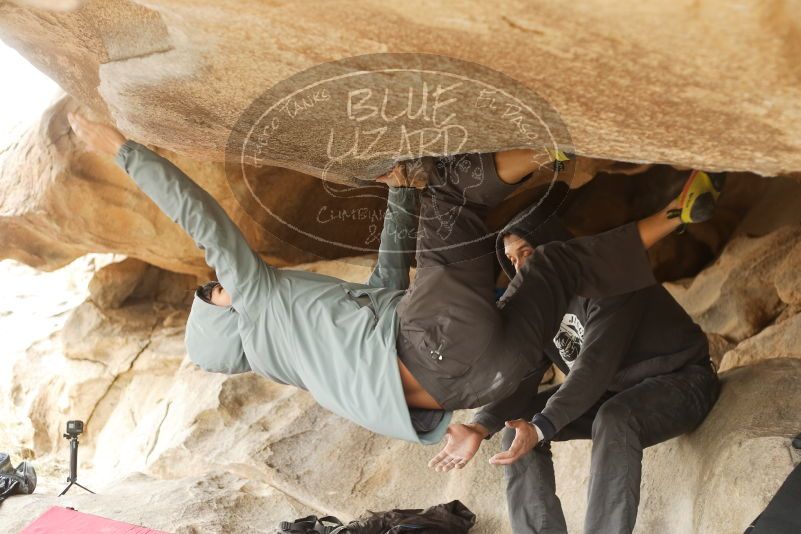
(569, 338)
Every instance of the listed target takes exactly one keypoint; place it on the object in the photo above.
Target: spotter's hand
(526, 438)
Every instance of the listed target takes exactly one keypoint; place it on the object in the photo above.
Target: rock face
(747, 300)
(714, 86)
(779, 340)
(213, 453)
(111, 286)
(162, 72)
(58, 202)
(737, 296)
(643, 92)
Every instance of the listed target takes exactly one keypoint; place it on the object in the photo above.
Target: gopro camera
(74, 429)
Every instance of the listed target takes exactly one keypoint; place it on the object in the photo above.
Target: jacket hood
(212, 338)
(537, 224)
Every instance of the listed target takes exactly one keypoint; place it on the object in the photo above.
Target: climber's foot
(699, 197)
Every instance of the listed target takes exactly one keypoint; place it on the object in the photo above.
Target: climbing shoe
(699, 197)
(559, 158)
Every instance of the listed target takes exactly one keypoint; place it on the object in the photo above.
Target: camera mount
(74, 429)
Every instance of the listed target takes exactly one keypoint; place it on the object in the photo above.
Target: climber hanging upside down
(392, 358)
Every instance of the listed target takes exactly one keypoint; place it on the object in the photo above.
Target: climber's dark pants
(620, 425)
(454, 339)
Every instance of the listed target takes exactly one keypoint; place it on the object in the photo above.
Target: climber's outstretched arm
(239, 269)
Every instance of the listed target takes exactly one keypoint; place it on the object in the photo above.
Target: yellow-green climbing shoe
(699, 197)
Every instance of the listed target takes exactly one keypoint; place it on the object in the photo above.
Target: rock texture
(713, 85)
(779, 340)
(644, 91)
(216, 502)
(737, 296)
(58, 202)
(112, 285)
(747, 300)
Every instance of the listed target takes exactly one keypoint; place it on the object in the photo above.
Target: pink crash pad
(59, 520)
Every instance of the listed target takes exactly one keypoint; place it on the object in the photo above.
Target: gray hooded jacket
(332, 338)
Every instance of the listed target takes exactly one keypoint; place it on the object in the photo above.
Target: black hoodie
(606, 344)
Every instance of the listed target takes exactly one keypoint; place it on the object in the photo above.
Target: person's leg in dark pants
(531, 492)
(653, 411)
(531, 499)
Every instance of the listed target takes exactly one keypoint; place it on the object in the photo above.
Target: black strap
(298, 526)
(311, 525)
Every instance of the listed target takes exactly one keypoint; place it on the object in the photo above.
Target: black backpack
(15, 481)
(449, 518)
(783, 514)
(312, 525)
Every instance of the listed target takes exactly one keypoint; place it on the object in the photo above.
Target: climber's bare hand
(98, 137)
(397, 177)
(463, 441)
